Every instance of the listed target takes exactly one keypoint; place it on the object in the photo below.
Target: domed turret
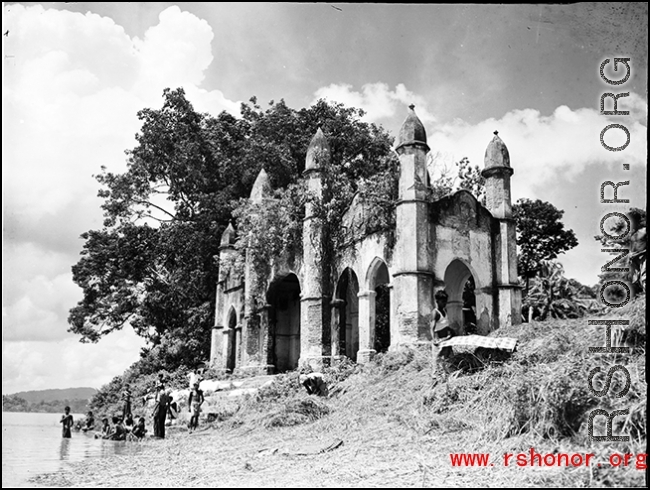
(229, 236)
(412, 131)
(318, 153)
(262, 187)
(496, 153)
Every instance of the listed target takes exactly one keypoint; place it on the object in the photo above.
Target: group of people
(165, 406)
(122, 429)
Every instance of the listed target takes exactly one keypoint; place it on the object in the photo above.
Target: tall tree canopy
(152, 265)
(540, 235)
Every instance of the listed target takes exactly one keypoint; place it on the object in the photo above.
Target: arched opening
(469, 307)
(380, 325)
(231, 360)
(461, 305)
(347, 290)
(284, 322)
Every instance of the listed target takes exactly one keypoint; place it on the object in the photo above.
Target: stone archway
(457, 277)
(378, 306)
(346, 335)
(284, 322)
(231, 356)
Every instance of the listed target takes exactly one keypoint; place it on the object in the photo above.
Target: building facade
(382, 296)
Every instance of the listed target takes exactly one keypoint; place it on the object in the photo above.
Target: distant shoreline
(49, 401)
(76, 406)
(40, 411)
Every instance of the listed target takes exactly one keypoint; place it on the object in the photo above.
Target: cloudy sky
(75, 75)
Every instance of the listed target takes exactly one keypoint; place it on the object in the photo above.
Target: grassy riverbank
(390, 423)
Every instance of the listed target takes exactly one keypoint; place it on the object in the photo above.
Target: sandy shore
(291, 457)
(390, 424)
(259, 458)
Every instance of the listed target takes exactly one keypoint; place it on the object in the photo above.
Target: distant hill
(48, 400)
(55, 395)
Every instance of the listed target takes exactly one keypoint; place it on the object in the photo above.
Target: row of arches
(283, 309)
(345, 322)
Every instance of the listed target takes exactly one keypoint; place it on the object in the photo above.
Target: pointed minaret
(218, 344)
(228, 238)
(254, 335)
(413, 276)
(261, 188)
(497, 173)
(312, 302)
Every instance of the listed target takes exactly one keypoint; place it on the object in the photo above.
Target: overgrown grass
(543, 389)
(537, 397)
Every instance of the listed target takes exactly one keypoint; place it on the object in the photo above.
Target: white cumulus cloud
(72, 86)
(28, 365)
(544, 147)
(377, 100)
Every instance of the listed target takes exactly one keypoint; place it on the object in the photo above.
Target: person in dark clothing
(126, 397)
(68, 422)
(119, 432)
(105, 430)
(160, 412)
(172, 411)
(314, 384)
(195, 402)
(90, 422)
(129, 423)
(139, 430)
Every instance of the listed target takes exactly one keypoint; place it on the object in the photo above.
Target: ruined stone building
(383, 297)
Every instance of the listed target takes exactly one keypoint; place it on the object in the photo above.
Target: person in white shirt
(194, 377)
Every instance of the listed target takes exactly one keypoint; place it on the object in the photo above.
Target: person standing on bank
(126, 397)
(68, 422)
(160, 412)
(195, 376)
(195, 401)
(440, 327)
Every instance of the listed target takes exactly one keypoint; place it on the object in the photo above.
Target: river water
(32, 445)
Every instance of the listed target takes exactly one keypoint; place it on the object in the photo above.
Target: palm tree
(552, 294)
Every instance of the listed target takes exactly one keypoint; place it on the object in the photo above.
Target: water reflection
(32, 445)
(64, 449)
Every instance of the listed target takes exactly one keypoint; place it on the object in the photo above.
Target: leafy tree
(442, 175)
(14, 403)
(540, 235)
(471, 179)
(152, 265)
(449, 178)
